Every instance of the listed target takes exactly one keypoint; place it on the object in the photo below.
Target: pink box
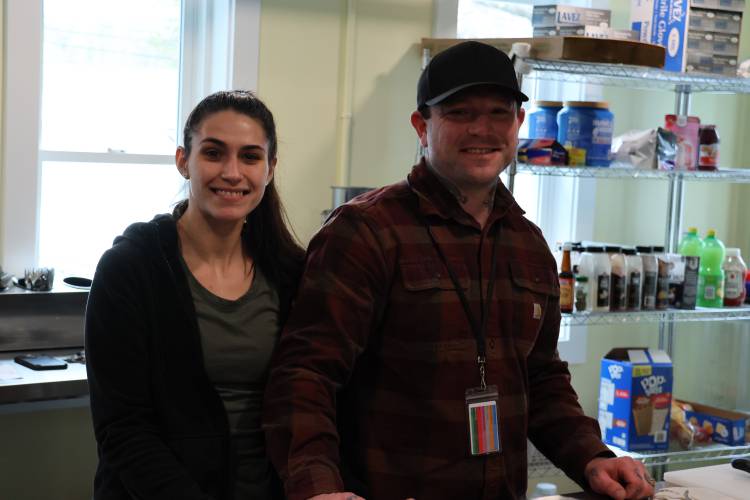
(686, 130)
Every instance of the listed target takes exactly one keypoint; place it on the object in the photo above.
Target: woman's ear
(180, 159)
(271, 170)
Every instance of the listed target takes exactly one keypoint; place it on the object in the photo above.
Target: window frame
(220, 45)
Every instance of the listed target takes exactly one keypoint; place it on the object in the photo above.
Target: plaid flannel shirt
(366, 392)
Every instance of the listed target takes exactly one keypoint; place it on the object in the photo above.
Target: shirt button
(492, 343)
(536, 279)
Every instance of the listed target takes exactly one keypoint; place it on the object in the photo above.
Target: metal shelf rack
(540, 467)
(635, 77)
(665, 316)
(723, 175)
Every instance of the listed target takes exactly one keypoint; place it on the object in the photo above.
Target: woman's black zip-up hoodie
(160, 426)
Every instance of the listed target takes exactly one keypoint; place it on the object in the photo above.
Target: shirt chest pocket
(535, 279)
(430, 274)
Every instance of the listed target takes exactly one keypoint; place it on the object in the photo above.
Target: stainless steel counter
(19, 384)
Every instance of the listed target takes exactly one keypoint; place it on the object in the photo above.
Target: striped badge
(483, 433)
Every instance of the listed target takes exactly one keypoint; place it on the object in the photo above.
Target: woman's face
(228, 166)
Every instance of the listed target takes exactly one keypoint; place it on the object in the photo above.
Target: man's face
(471, 137)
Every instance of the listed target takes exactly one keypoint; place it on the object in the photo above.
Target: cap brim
(520, 96)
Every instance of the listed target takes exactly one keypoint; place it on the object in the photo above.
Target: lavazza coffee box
(635, 397)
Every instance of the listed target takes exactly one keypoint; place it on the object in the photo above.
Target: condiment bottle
(734, 278)
(662, 278)
(601, 288)
(650, 276)
(708, 156)
(567, 281)
(634, 268)
(619, 281)
(582, 294)
(711, 274)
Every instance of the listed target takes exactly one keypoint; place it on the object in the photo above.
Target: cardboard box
(731, 5)
(542, 152)
(575, 48)
(665, 23)
(562, 15)
(635, 397)
(715, 21)
(712, 44)
(587, 31)
(724, 426)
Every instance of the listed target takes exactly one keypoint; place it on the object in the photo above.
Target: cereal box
(635, 397)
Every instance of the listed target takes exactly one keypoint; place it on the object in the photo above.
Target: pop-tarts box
(665, 23)
(724, 426)
(635, 398)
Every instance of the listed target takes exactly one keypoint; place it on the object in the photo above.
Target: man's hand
(620, 478)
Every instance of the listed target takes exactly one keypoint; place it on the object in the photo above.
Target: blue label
(587, 128)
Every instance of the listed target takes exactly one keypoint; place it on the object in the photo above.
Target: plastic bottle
(662, 277)
(634, 270)
(691, 245)
(619, 282)
(543, 490)
(734, 278)
(711, 275)
(691, 248)
(601, 288)
(567, 282)
(747, 287)
(582, 294)
(586, 270)
(650, 276)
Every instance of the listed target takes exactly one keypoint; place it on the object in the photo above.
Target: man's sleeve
(557, 424)
(340, 294)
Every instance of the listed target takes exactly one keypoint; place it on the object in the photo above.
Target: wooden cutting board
(722, 478)
(574, 48)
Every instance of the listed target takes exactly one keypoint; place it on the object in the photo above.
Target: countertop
(19, 384)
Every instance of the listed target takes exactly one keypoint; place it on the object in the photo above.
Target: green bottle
(691, 245)
(711, 274)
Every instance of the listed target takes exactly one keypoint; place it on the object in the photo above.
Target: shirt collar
(435, 198)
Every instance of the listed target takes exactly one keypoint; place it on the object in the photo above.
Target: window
(110, 81)
(96, 92)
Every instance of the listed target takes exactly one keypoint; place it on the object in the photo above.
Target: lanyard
(478, 328)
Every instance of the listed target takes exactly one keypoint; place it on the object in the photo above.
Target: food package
(542, 152)
(645, 149)
(686, 130)
(684, 432)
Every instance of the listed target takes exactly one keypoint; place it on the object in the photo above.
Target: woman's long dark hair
(266, 236)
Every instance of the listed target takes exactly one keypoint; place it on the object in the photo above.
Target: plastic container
(619, 279)
(747, 287)
(582, 294)
(734, 278)
(634, 270)
(711, 274)
(543, 120)
(567, 282)
(543, 490)
(601, 274)
(650, 276)
(662, 277)
(587, 125)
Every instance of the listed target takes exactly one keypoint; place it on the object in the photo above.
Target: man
(421, 351)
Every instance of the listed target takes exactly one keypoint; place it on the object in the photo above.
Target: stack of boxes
(567, 20)
(702, 36)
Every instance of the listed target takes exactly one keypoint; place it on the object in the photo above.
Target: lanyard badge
(481, 402)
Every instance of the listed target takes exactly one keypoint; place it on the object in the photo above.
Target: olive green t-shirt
(238, 338)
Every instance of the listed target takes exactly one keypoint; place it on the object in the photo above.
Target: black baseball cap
(465, 65)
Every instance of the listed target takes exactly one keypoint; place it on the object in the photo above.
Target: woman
(183, 315)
